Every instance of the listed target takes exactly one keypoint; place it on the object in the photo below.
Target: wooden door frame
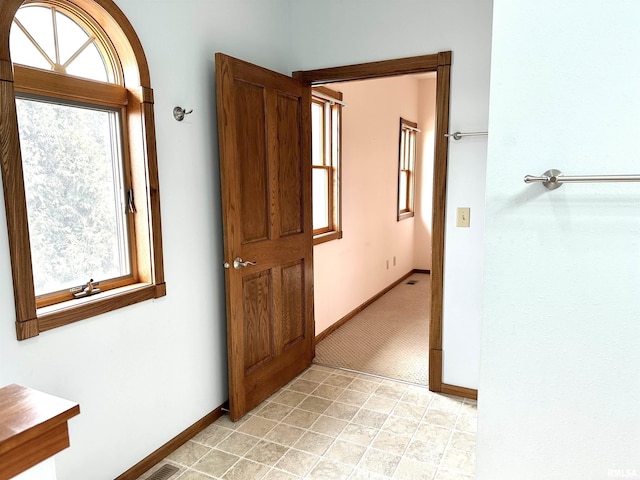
(441, 64)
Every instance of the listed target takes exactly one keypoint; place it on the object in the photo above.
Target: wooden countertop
(33, 427)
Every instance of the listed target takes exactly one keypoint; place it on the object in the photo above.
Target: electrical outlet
(462, 217)
(387, 264)
(394, 260)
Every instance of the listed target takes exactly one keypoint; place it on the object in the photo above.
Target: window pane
(317, 134)
(39, 23)
(402, 195)
(65, 43)
(70, 37)
(24, 52)
(75, 203)
(89, 64)
(412, 150)
(320, 198)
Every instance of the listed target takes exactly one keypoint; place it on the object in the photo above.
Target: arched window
(77, 144)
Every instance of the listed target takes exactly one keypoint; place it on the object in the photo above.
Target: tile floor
(330, 424)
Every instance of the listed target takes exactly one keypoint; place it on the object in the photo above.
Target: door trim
(441, 64)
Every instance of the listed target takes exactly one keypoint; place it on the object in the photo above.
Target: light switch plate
(462, 217)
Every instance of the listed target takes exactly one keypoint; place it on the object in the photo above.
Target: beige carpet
(389, 338)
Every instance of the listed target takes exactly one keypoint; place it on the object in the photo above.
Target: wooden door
(265, 173)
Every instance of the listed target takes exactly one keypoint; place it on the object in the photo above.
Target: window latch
(131, 206)
(86, 290)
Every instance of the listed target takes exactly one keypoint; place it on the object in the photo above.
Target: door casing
(441, 64)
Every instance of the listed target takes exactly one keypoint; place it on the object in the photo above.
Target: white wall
(349, 271)
(144, 373)
(370, 30)
(560, 376)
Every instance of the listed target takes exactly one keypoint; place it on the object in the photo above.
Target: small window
(81, 172)
(406, 168)
(326, 111)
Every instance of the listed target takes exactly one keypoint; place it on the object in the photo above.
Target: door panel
(258, 319)
(290, 174)
(293, 304)
(252, 155)
(265, 174)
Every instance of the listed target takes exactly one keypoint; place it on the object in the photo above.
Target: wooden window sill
(405, 215)
(60, 314)
(327, 237)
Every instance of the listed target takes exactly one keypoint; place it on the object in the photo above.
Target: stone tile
(341, 411)
(418, 396)
(364, 386)
(409, 410)
(338, 380)
(391, 443)
(303, 386)
(467, 424)
(193, 475)
(361, 474)
(274, 474)
(380, 462)
(288, 397)
(315, 375)
(315, 404)
(189, 453)
(469, 409)
(369, 418)
(215, 463)
(266, 452)
(212, 435)
(380, 404)
(328, 425)
(459, 461)
(344, 452)
(409, 469)
(329, 392)
(391, 391)
(297, 462)
(446, 404)
(237, 443)
(449, 475)
(322, 368)
(353, 397)
(246, 470)
(424, 452)
(326, 469)
(440, 418)
(433, 434)
(369, 378)
(463, 441)
(225, 421)
(257, 426)
(315, 443)
(284, 434)
(301, 418)
(358, 434)
(401, 426)
(274, 411)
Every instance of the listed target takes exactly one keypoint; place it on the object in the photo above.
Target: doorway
(440, 64)
(386, 134)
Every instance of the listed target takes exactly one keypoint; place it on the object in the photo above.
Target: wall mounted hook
(179, 113)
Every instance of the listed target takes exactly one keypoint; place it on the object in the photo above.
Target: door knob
(239, 263)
